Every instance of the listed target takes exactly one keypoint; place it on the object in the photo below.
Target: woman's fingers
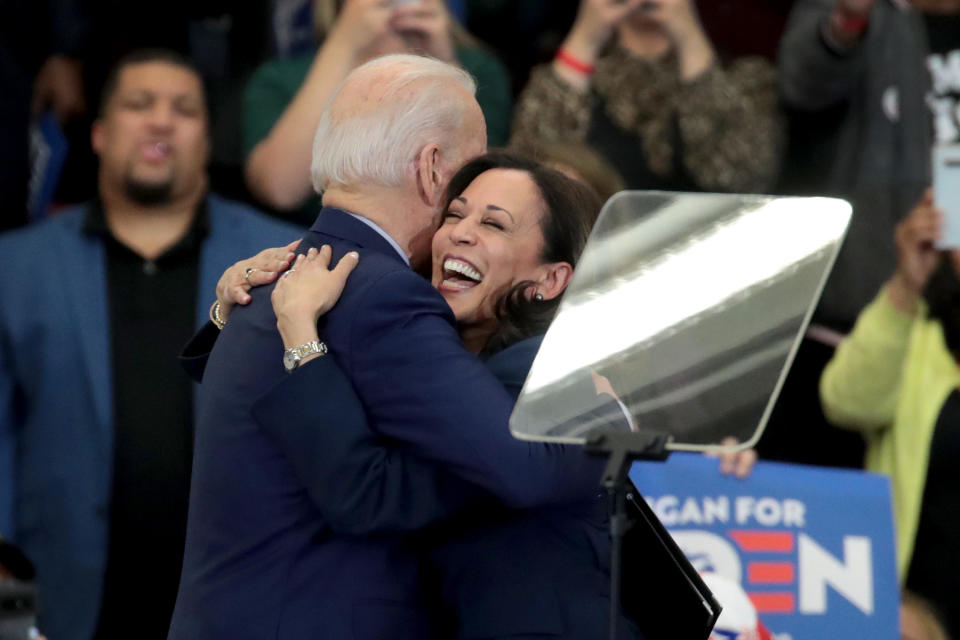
(745, 462)
(736, 463)
(323, 256)
(346, 265)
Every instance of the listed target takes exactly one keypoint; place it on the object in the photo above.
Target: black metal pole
(621, 450)
(618, 526)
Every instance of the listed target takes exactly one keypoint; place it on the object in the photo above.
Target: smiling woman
(507, 245)
(509, 238)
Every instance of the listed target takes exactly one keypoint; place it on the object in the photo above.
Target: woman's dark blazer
(541, 573)
(493, 572)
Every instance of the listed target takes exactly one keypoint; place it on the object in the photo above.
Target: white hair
(377, 142)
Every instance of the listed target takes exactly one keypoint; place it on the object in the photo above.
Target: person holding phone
(639, 81)
(896, 380)
(862, 80)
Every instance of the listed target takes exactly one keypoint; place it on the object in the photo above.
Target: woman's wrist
(342, 47)
(903, 294)
(296, 330)
(695, 52)
(574, 62)
(583, 45)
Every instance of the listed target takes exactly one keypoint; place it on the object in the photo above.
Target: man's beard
(148, 194)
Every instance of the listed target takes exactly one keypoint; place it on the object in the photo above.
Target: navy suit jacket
(497, 573)
(268, 553)
(56, 404)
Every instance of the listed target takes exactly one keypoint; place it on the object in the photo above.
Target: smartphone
(946, 192)
(18, 610)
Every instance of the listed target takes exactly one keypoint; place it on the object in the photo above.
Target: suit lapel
(85, 277)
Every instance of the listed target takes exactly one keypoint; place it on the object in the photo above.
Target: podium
(676, 333)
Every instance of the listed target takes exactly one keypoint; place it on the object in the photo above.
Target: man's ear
(97, 136)
(554, 278)
(430, 175)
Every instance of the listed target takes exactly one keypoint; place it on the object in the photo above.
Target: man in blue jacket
(275, 547)
(96, 419)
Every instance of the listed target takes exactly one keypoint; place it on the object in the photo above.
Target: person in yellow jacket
(895, 379)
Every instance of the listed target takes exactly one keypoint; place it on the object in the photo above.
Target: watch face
(289, 360)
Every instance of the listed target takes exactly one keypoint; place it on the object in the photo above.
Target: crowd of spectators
(842, 98)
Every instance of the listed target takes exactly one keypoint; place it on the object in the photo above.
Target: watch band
(293, 355)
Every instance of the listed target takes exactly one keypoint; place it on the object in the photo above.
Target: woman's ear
(429, 175)
(554, 278)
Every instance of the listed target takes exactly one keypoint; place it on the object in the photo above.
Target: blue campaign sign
(811, 547)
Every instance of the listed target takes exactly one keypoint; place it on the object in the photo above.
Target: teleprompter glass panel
(689, 308)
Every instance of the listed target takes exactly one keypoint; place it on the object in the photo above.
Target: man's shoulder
(28, 238)
(384, 297)
(381, 277)
(235, 219)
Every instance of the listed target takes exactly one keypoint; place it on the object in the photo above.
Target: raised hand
(679, 20)
(425, 27)
(307, 291)
(737, 463)
(234, 285)
(595, 24)
(362, 24)
(915, 238)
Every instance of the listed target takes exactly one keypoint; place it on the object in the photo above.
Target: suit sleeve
(423, 389)
(194, 356)
(811, 75)
(8, 461)
(360, 483)
(860, 386)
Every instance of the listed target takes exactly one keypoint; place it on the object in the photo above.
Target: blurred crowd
(843, 98)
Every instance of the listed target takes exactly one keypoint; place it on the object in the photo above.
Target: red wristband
(852, 24)
(569, 60)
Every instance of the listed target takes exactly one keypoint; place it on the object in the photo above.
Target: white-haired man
(273, 547)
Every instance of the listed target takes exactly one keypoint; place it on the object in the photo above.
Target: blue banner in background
(812, 547)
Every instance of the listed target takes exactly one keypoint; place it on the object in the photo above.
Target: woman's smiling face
(489, 240)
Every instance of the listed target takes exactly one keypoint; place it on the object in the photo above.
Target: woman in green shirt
(285, 97)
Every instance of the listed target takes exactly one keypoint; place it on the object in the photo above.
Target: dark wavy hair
(570, 209)
(942, 295)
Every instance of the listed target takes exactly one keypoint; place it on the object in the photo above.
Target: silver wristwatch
(293, 356)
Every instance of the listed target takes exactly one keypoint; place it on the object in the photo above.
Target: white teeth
(162, 147)
(463, 269)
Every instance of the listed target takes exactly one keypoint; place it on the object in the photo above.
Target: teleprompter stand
(663, 594)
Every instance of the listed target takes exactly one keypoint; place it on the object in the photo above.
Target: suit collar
(95, 221)
(342, 224)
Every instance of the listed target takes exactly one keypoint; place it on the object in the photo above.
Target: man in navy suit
(268, 552)
(95, 415)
